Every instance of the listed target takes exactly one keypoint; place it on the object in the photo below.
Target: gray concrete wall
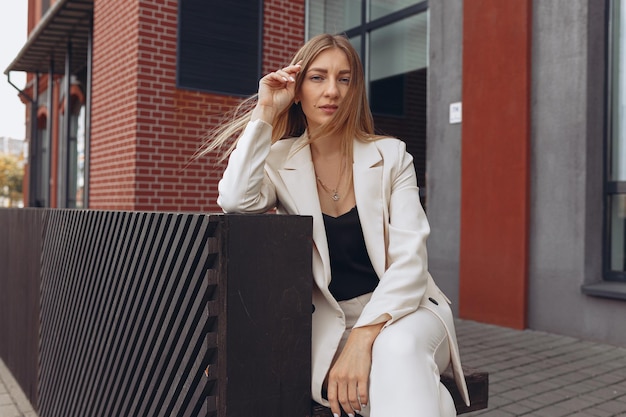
(566, 173)
(443, 156)
(567, 133)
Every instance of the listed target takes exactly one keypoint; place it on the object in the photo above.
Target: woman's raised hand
(276, 92)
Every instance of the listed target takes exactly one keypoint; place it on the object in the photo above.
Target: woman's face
(324, 86)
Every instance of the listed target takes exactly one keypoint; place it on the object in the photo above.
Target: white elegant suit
(261, 176)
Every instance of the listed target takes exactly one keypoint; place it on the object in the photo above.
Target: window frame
(611, 188)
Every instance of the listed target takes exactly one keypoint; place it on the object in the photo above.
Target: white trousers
(408, 357)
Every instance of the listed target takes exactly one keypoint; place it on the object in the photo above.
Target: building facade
(512, 111)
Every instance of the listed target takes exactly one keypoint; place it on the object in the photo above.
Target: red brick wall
(283, 32)
(114, 105)
(145, 130)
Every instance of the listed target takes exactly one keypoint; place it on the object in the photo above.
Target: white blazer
(261, 176)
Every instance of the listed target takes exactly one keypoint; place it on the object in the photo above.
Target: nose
(332, 88)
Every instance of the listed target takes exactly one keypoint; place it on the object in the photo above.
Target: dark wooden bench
(477, 385)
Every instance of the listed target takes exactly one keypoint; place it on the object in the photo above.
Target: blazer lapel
(367, 174)
(298, 175)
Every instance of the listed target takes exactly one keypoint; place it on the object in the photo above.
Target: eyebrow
(346, 71)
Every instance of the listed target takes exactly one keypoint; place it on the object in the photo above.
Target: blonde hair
(352, 120)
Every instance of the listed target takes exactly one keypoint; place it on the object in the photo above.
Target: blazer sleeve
(405, 278)
(245, 187)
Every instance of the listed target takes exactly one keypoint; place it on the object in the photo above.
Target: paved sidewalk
(13, 402)
(537, 374)
(531, 373)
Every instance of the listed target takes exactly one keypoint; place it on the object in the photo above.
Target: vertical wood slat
(20, 250)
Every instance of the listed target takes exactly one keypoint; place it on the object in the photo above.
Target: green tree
(11, 177)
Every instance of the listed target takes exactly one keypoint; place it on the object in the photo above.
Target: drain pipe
(32, 144)
(19, 90)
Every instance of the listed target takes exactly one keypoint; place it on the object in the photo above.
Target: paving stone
(18, 403)
(498, 401)
(517, 409)
(517, 394)
(9, 411)
(492, 413)
(611, 407)
(596, 412)
(606, 393)
(578, 403)
(551, 411)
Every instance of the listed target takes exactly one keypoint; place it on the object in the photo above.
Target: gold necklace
(334, 193)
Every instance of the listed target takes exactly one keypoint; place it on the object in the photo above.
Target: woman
(382, 330)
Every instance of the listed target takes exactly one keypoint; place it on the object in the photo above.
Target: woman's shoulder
(388, 142)
(283, 146)
(281, 150)
(387, 145)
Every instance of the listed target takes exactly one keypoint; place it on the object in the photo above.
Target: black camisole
(351, 269)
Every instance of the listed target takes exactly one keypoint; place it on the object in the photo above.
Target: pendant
(335, 196)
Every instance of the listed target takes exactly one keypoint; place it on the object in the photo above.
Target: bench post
(260, 344)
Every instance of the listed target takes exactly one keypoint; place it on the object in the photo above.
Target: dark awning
(66, 21)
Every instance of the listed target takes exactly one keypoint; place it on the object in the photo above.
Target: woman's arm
(244, 187)
(348, 379)
(404, 281)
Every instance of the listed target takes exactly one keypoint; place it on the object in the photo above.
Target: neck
(326, 147)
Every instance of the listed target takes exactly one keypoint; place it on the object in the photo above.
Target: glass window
(42, 158)
(398, 69)
(380, 8)
(616, 147)
(618, 142)
(399, 48)
(76, 154)
(618, 232)
(332, 16)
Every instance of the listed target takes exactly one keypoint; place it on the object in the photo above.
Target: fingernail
(335, 415)
(350, 415)
(292, 79)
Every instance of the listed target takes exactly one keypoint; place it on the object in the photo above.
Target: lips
(329, 108)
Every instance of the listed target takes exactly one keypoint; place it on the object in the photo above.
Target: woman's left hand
(348, 379)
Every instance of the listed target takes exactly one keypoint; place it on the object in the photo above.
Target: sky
(13, 27)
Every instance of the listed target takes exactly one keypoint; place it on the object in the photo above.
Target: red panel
(495, 161)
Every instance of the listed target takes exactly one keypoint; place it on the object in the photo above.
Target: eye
(344, 80)
(316, 78)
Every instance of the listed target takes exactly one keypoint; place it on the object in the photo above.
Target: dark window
(219, 45)
(387, 96)
(42, 165)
